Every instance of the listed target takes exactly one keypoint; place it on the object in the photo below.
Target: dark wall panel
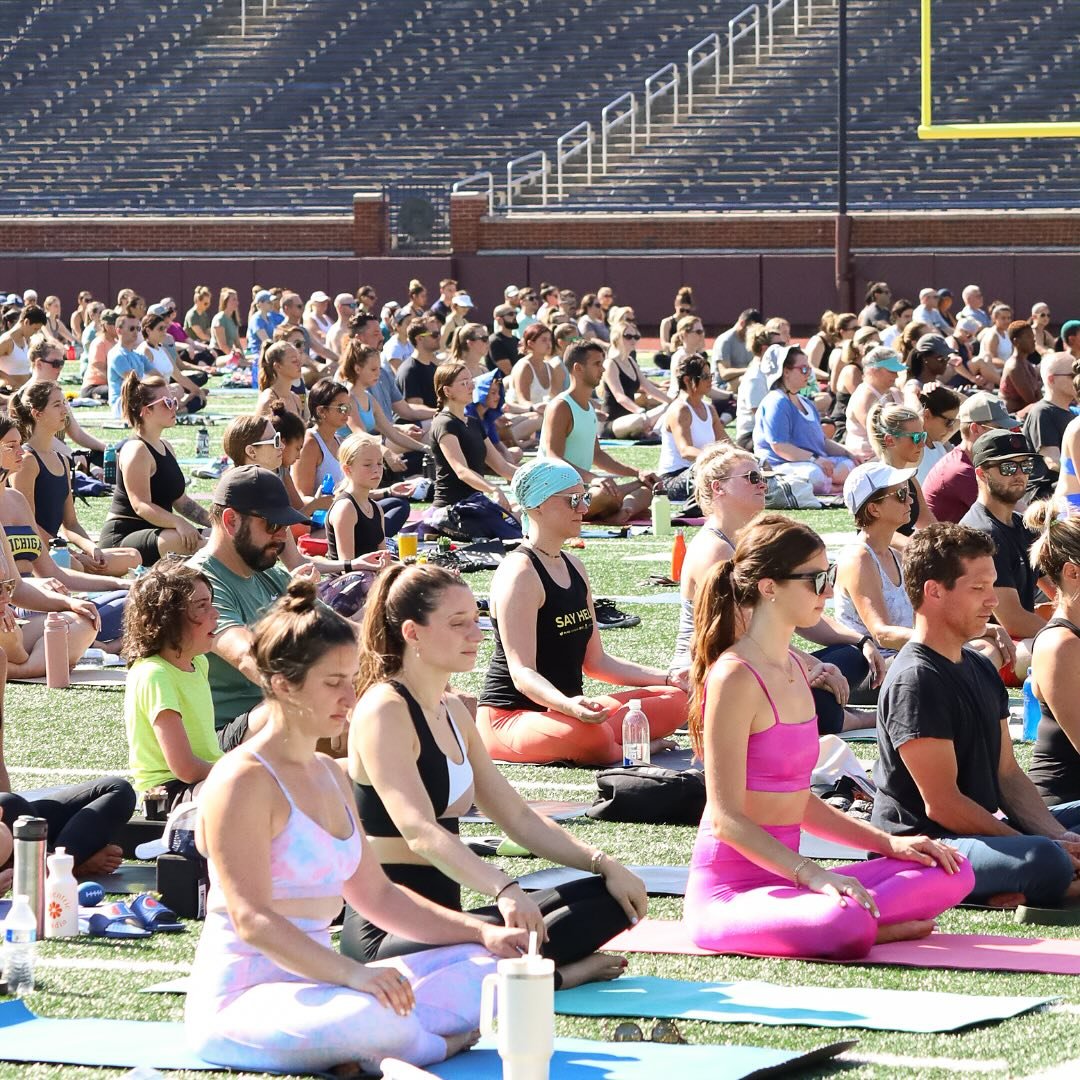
(906, 275)
(304, 276)
(647, 284)
(724, 285)
(215, 274)
(485, 277)
(799, 286)
(994, 274)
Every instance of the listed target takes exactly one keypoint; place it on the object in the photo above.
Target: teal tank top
(581, 442)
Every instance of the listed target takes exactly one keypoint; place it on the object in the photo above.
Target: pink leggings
(735, 906)
(530, 737)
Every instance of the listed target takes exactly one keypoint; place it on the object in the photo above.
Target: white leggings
(280, 1022)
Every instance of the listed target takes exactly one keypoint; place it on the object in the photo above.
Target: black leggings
(580, 917)
(82, 818)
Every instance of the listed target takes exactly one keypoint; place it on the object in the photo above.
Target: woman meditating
(897, 437)
(622, 384)
(752, 721)
(417, 764)
(150, 510)
(278, 826)
(533, 707)
(279, 370)
(330, 408)
(356, 524)
(880, 368)
(529, 383)
(169, 627)
(42, 476)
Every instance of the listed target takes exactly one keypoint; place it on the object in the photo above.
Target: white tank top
(160, 361)
(897, 605)
(18, 361)
(701, 435)
(537, 391)
(1004, 346)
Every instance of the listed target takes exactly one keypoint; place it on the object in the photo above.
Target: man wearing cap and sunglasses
(1003, 463)
(950, 487)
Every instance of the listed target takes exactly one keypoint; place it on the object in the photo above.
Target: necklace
(785, 668)
(546, 554)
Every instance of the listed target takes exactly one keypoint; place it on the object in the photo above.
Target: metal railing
(583, 145)
(530, 177)
(608, 125)
(462, 184)
(243, 15)
(755, 26)
(625, 109)
(692, 67)
(651, 95)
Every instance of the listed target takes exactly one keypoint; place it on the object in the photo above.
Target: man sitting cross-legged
(946, 764)
(570, 432)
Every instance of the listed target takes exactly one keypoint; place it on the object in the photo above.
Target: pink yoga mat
(966, 952)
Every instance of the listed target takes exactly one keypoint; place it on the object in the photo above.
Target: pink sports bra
(306, 861)
(782, 757)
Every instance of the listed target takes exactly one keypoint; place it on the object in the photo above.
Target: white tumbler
(525, 989)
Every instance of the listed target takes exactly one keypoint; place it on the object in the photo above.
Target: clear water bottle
(60, 552)
(20, 941)
(635, 736)
(1032, 711)
(202, 443)
(110, 465)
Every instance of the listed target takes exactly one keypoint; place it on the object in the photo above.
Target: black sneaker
(609, 617)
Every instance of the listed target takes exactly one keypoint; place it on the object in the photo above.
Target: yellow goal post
(929, 130)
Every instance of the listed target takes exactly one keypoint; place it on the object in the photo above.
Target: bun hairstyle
(689, 366)
(136, 394)
(31, 397)
(1058, 541)
(400, 593)
(287, 424)
(295, 632)
(771, 546)
(416, 288)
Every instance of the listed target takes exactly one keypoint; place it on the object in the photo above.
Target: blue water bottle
(1032, 712)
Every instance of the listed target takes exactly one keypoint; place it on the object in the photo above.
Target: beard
(255, 556)
(1004, 489)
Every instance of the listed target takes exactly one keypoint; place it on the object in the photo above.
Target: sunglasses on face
(270, 526)
(483, 339)
(950, 422)
(754, 478)
(1009, 468)
(631, 337)
(901, 495)
(581, 499)
(819, 579)
(275, 442)
(343, 409)
(170, 403)
(802, 369)
(917, 437)
(54, 363)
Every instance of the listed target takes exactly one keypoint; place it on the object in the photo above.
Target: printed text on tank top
(781, 757)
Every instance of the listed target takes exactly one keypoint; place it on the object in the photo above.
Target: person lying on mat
(1055, 656)
(946, 764)
(533, 707)
(82, 819)
(278, 826)
(169, 625)
(749, 890)
(730, 488)
(569, 433)
(417, 763)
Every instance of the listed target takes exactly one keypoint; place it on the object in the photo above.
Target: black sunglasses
(1009, 468)
(820, 579)
(753, 477)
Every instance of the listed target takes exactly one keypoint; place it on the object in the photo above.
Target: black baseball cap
(248, 489)
(994, 446)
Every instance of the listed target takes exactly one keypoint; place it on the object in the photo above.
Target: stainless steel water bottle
(30, 834)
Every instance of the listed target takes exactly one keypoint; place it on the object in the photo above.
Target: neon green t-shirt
(155, 686)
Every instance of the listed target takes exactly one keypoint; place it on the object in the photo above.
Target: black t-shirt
(449, 488)
(1055, 763)
(417, 380)
(926, 696)
(501, 347)
(1011, 557)
(1045, 425)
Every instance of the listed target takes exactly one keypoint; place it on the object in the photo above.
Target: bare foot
(1006, 900)
(905, 931)
(600, 967)
(657, 745)
(6, 878)
(102, 862)
(858, 719)
(456, 1043)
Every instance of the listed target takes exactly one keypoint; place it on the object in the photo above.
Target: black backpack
(649, 794)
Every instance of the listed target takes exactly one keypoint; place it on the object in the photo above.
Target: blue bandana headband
(538, 481)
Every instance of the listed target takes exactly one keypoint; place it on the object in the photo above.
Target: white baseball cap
(319, 297)
(866, 480)
(178, 837)
(462, 300)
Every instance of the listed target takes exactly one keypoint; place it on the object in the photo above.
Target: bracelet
(512, 881)
(594, 862)
(799, 869)
(348, 566)
(864, 639)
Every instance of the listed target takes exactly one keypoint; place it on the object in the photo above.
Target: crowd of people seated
(254, 627)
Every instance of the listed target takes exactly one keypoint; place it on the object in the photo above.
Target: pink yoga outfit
(246, 1012)
(735, 906)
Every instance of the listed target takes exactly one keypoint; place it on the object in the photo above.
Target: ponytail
(714, 631)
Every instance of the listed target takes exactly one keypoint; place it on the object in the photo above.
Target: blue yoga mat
(582, 1059)
(124, 1044)
(767, 1003)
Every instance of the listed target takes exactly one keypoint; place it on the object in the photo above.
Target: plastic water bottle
(1032, 712)
(60, 552)
(61, 896)
(635, 736)
(110, 465)
(202, 443)
(661, 515)
(20, 940)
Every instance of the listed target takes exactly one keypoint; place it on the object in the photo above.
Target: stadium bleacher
(162, 105)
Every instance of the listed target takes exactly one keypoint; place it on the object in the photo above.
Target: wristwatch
(864, 639)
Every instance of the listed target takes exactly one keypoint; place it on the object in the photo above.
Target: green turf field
(54, 736)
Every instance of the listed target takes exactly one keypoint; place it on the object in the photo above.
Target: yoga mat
(767, 1003)
(551, 808)
(111, 677)
(130, 879)
(659, 880)
(814, 847)
(583, 1059)
(963, 952)
(171, 986)
(859, 735)
(679, 759)
(124, 1044)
